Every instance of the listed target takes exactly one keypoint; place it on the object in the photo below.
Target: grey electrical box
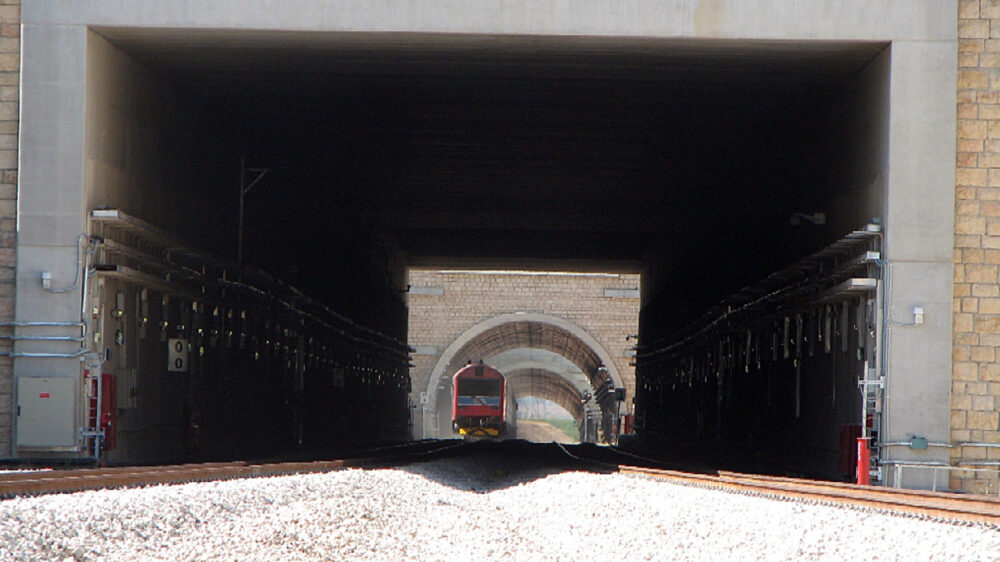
(45, 413)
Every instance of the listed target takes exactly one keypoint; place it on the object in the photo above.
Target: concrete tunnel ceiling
(570, 152)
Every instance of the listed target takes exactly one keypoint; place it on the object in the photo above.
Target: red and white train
(482, 404)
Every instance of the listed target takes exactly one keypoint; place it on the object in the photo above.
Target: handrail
(934, 466)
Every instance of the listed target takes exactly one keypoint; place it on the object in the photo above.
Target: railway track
(35, 482)
(937, 505)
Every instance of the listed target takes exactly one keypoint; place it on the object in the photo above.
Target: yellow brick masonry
(975, 370)
(437, 320)
(10, 68)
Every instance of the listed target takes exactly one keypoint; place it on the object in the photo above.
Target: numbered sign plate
(177, 355)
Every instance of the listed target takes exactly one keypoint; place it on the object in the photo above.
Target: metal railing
(899, 468)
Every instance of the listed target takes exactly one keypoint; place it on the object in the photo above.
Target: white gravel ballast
(462, 510)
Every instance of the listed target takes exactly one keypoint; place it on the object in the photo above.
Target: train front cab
(479, 397)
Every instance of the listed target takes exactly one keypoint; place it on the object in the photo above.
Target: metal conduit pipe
(909, 444)
(43, 324)
(892, 462)
(43, 338)
(82, 274)
(46, 355)
(79, 265)
(76, 355)
(82, 325)
(944, 445)
(85, 268)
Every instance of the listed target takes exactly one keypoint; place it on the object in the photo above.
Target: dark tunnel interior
(600, 153)
(684, 160)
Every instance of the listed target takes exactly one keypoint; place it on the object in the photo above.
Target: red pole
(864, 458)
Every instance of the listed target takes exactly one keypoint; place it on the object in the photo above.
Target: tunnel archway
(548, 385)
(507, 332)
(549, 376)
(542, 383)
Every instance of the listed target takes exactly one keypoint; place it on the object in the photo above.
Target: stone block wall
(443, 305)
(975, 414)
(10, 75)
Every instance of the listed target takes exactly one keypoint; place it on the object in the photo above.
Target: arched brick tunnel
(548, 385)
(532, 331)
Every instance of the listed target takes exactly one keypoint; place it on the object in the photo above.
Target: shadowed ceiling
(572, 152)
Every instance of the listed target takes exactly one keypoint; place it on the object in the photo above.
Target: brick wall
(436, 320)
(10, 67)
(976, 371)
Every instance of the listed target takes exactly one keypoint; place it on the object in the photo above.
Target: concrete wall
(919, 207)
(98, 130)
(847, 174)
(156, 153)
(918, 248)
(789, 19)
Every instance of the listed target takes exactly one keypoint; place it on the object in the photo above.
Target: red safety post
(864, 458)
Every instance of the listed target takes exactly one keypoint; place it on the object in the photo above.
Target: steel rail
(37, 482)
(941, 505)
(944, 505)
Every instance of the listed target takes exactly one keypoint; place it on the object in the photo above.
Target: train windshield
(479, 392)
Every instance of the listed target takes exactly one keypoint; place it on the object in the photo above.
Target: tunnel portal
(361, 154)
(321, 163)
